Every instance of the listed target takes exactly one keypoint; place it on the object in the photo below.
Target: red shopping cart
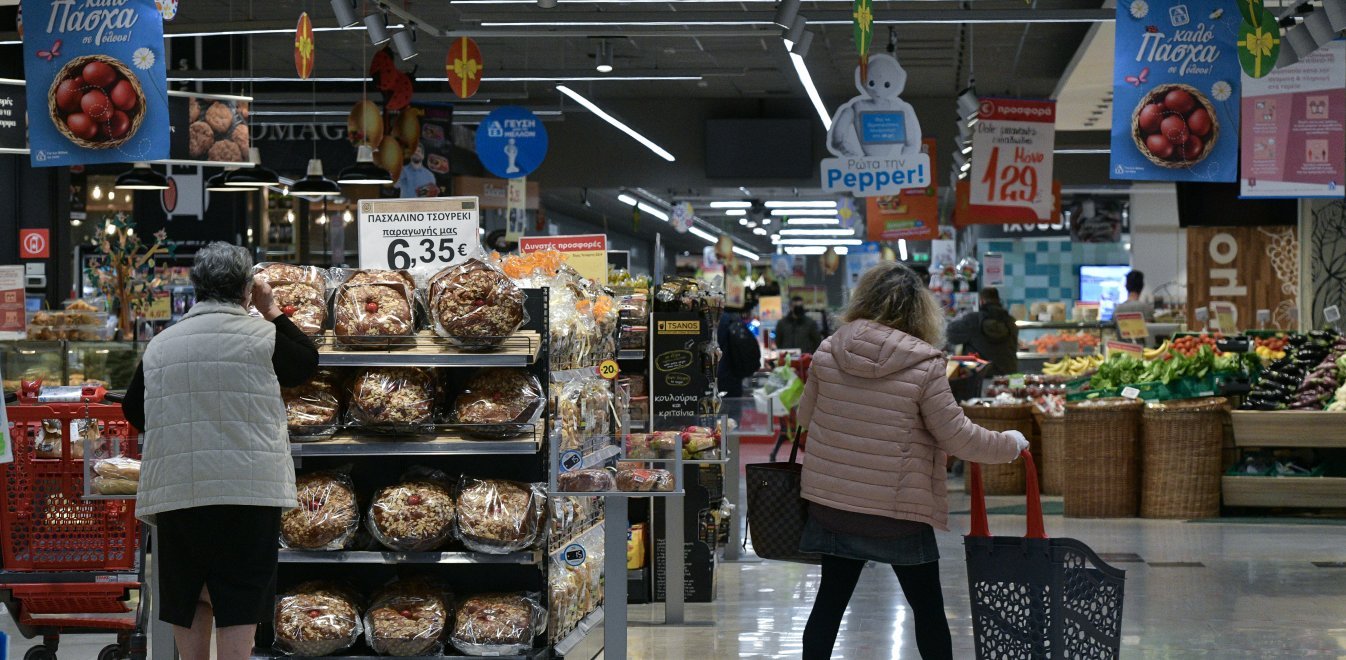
(1039, 598)
(70, 562)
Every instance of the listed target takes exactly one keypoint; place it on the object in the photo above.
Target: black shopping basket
(1035, 597)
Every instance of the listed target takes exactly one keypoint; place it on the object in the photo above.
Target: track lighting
(1336, 14)
(801, 47)
(796, 30)
(345, 13)
(1320, 28)
(546, 4)
(968, 103)
(376, 24)
(786, 12)
(404, 42)
(603, 58)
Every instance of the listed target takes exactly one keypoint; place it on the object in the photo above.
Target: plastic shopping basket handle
(980, 527)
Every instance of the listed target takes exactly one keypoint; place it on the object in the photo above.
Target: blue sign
(511, 142)
(883, 127)
(1176, 91)
(574, 554)
(96, 86)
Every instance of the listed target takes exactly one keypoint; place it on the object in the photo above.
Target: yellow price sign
(608, 369)
(161, 309)
(1131, 325)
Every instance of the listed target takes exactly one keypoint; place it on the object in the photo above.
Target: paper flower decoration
(1221, 90)
(1139, 9)
(143, 58)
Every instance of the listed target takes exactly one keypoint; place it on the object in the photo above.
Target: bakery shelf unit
(288, 556)
(1257, 429)
(427, 350)
(445, 441)
(537, 654)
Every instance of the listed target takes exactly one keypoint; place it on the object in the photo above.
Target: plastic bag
(498, 624)
(51, 438)
(639, 480)
(375, 307)
(393, 396)
(582, 411)
(784, 387)
(312, 409)
(313, 620)
(592, 480)
(115, 486)
(498, 403)
(118, 467)
(407, 619)
(300, 293)
(327, 515)
(499, 517)
(475, 305)
(414, 515)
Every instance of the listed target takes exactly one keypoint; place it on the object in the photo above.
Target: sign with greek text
(1294, 128)
(876, 137)
(586, 253)
(1175, 91)
(1012, 154)
(422, 235)
(97, 92)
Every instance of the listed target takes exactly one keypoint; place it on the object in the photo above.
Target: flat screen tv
(1105, 285)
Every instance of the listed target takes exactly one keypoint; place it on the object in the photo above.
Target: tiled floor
(1227, 591)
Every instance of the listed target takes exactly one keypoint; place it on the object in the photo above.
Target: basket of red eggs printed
(1175, 126)
(96, 102)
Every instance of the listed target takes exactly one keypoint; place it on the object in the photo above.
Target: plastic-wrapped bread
(637, 480)
(300, 293)
(499, 517)
(497, 624)
(393, 396)
(312, 408)
(326, 517)
(592, 480)
(374, 307)
(407, 619)
(475, 304)
(412, 516)
(316, 621)
(118, 467)
(497, 402)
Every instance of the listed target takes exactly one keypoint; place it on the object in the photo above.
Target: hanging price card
(1012, 155)
(424, 234)
(1131, 325)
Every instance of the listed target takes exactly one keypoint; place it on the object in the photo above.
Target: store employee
(1135, 283)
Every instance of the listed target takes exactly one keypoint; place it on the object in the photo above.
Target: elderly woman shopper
(881, 420)
(217, 470)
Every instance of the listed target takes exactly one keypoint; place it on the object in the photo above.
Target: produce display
(1055, 343)
(1307, 378)
(1270, 349)
(1190, 345)
(1073, 366)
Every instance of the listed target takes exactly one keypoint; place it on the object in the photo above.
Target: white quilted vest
(215, 422)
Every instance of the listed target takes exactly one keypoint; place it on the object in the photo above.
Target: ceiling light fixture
(805, 250)
(801, 48)
(603, 58)
(789, 213)
(220, 183)
(736, 212)
(376, 24)
(141, 177)
(588, 105)
(968, 103)
(820, 241)
(746, 253)
(798, 204)
(256, 176)
(345, 13)
(802, 72)
(759, 232)
(802, 222)
(817, 232)
(902, 248)
(743, 222)
(652, 211)
(627, 199)
(315, 184)
(703, 235)
(732, 205)
(545, 4)
(364, 171)
(795, 30)
(786, 12)
(404, 43)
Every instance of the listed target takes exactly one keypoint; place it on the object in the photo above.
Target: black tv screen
(1218, 205)
(759, 148)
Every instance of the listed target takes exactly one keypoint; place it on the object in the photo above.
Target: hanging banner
(1175, 91)
(966, 213)
(463, 66)
(1294, 128)
(912, 214)
(682, 217)
(516, 209)
(876, 137)
(303, 47)
(586, 253)
(97, 92)
(13, 319)
(511, 142)
(1012, 154)
(993, 269)
(13, 117)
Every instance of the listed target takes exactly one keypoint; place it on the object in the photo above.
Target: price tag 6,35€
(418, 234)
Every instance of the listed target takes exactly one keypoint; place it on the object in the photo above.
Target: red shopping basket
(45, 524)
(1035, 597)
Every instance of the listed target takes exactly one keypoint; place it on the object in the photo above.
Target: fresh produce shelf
(288, 556)
(1312, 492)
(348, 443)
(1066, 325)
(428, 350)
(1285, 428)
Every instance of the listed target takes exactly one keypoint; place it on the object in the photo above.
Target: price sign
(608, 369)
(162, 307)
(1012, 152)
(1125, 347)
(1129, 392)
(1017, 382)
(571, 459)
(1131, 325)
(425, 234)
(1331, 314)
(574, 554)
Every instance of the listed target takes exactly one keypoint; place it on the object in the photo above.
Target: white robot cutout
(878, 123)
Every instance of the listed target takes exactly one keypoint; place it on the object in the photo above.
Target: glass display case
(70, 362)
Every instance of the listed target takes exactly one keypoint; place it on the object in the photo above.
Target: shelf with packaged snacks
(425, 349)
(536, 654)
(558, 545)
(441, 440)
(289, 556)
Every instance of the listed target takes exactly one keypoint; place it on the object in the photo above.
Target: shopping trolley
(68, 563)
(1035, 597)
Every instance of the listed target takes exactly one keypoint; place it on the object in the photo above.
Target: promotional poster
(911, 214)
(1294, 128)
(1012, 155)
(876, 136)
(96, 86)
(1175, 91)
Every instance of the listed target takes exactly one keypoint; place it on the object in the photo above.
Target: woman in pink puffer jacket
(881, 421)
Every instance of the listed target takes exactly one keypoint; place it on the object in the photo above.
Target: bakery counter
(288, 556)
(428, 350)
(446, 441)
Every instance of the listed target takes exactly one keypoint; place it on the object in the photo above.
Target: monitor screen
(1105, 285)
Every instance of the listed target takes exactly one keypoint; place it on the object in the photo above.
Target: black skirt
(231, 550)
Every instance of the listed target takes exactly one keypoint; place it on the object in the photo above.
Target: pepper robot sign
(876, 137)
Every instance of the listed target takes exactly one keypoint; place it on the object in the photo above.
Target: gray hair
(222, 273)
(894, 295)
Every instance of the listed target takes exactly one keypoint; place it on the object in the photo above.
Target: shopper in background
(881, 419)
(216, 469)
(989, 332)
(1135, 284)
(740, 354)
(797, 330)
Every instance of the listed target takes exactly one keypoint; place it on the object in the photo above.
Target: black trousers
(920, 584)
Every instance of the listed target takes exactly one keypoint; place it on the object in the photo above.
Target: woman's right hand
(1020, 440)
(263, 299)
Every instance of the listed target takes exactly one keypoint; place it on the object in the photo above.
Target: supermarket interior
(647, 328)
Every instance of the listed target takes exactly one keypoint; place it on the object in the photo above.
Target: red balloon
(1179, 101)
(1159, 146)
(68, 94)
(1174, 128)
(118, 126)
(1199, 121)
(100, 74)
(83, 127)
(124, 96)
(95, 104)
(1150, 116)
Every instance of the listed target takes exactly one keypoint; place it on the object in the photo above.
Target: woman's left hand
(263, 299)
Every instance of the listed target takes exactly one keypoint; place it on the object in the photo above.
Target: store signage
(493, 193)
(511, 142)
(769, 309)
(516, 209)
(911, 214)
(13, 118)
(161, 309)
(966, 212)
(13, 320)
(424, 235)
(304, 48)
(586, 253)
(860, 259)
(876, 137)
(1131, 325)
(993, 269)
(1126, 347)
(34, 243)
(1012, 155)
(463, 67)
(1294, 128)
(682, 217)
(1243, 269)
(96, 86)
(677, 383)
(1175, 91)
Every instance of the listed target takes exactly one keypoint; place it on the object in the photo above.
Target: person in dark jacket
(989, 332)
(797, 330)
(728, 373)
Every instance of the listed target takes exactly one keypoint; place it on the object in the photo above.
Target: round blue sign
(511, 142)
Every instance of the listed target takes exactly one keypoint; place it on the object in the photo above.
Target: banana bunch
(1158, 352)
(1073, 366)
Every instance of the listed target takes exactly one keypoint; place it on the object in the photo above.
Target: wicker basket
(1052, 466)
(1099, 464)
(71, 69)
(1181, 459)
(1003, 478)
(1157, 94)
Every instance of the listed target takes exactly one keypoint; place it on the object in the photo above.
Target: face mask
(798, 310)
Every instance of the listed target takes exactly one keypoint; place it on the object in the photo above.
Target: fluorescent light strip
(745, 253)
(805, 249)
(796, 222)
(703, 235)
(902, 248)
(627, 199)
(800, 204)
(731, 205)
(736, 212)
(572, 78)
(817, 232)
(802, 70)
(660, 151)
(794, 212)
(820, 241)
(652, 211)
